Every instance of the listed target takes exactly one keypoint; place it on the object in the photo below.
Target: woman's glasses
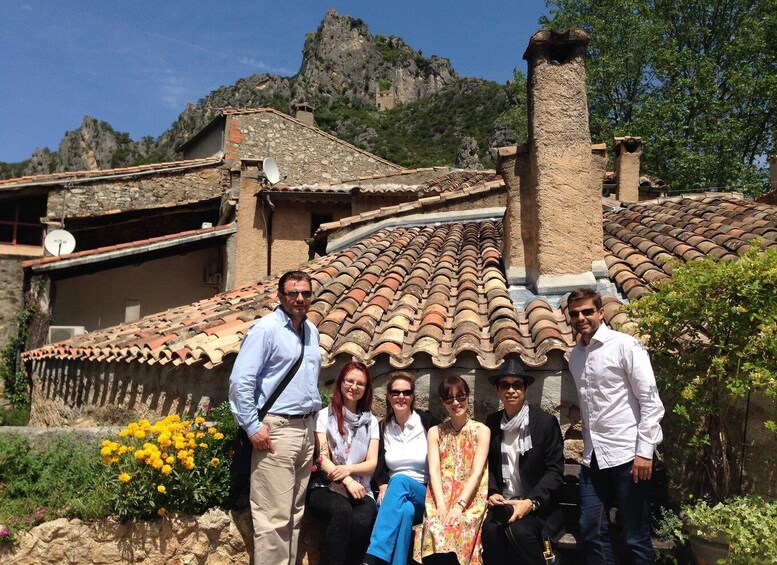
(460, 398)
(353, 384)
(396, 393)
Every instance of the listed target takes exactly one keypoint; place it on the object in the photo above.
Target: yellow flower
(170, 459)
(122, 450)
(124, 433)
(199, 435)
(215, 461)
(166, 469)
(125, 477)
(204, 445)
(156, 463)
(218, 435)
(140, 455)
(140, 434)
(161, 488)
(212, 431)
(199, 420)
(106, 450)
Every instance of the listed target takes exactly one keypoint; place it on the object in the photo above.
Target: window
(20, 221)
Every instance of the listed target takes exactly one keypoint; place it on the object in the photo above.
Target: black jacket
(541, 468)
(381, 475)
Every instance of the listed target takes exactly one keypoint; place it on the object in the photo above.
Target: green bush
(49, 478)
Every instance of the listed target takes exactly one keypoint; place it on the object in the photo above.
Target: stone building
(452, 282)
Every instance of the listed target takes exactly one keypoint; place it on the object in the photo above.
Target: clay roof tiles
(437, 292)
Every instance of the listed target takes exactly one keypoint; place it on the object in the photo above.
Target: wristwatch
(534, 505)
(462, 503)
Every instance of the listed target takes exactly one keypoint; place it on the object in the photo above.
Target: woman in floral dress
(458, 482)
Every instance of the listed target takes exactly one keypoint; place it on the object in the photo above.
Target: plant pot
(708, 551)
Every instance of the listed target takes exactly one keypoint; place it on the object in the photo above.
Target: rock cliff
(343, 69)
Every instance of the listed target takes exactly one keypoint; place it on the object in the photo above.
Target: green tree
(696, 80)
(712, 331)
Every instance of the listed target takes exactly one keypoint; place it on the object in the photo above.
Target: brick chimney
(627, 152)
(304, 113)
(553, 224)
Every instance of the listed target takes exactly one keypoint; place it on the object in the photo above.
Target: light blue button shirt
(267, 353)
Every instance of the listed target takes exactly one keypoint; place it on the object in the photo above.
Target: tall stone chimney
(304, 113)
(627, 152)
(553, 224)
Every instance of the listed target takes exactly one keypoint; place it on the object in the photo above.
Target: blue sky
(137, 64)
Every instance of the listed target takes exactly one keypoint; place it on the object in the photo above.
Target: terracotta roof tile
(438, 291)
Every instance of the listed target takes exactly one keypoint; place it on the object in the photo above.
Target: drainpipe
(268, 228)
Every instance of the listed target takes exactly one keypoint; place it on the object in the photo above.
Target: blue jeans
(402, 506)
(600, 489)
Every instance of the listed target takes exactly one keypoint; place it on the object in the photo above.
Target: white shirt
(373, 433)
(513, 486)
(619, 402)
(406, 449)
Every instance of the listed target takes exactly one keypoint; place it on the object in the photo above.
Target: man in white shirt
(621, 413)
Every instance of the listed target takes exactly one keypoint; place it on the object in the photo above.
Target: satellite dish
(270, 170)
(59, 242)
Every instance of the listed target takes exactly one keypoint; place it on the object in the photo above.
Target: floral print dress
(457, 453)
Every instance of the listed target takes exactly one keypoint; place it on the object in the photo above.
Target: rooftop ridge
(91, 175)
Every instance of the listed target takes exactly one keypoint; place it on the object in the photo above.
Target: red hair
(364, 403)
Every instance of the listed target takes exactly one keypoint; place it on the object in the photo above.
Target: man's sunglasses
(295, 293)
(460, 398)
(396, 393)
(505, 386)
(575, 314)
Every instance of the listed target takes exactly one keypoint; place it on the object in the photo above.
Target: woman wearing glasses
(347, 441)
(402, 473)
(458, 482)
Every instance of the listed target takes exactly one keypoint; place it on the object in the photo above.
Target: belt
(293, 416)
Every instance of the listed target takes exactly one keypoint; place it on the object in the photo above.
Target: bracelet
(462, 503)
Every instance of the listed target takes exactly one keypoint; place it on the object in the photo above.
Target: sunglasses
(396, 393)
(295, 293)
(460, 398)
(574, 314)
(515, 385)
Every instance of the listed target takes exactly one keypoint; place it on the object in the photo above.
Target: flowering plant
(8, 532)
(170, 465)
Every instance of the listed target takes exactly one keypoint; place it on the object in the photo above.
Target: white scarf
(518, 423)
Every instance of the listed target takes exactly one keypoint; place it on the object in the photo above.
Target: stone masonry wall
(11, 278)
(136, 193)
(83, 394)
(304, 154)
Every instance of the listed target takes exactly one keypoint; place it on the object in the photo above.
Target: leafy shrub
(749, 524)
(49, 478)
(171, 465)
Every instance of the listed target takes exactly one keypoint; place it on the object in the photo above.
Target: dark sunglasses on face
(396, 393)
(574, 314)
(515, 385)
(295, 293)
(460, 398)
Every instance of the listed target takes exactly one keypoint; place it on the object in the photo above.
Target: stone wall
(304, 154)
(11, 280)
(69, 393)
(216, 537)
(137, 192)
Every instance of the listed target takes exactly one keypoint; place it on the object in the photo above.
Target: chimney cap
(548, 39)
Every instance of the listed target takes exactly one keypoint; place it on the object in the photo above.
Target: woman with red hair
(347, 441)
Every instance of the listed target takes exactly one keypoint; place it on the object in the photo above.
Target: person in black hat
(525, 471)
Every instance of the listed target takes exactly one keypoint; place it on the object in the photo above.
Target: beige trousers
(279, 483)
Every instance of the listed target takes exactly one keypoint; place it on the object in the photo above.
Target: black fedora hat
(511, 367)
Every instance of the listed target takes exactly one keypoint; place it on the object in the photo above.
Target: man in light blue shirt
(283, 441)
